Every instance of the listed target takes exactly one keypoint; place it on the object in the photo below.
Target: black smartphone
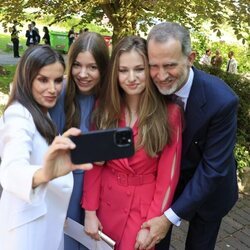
(102, 145)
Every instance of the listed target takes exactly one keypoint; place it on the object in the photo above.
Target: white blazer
(30, 219)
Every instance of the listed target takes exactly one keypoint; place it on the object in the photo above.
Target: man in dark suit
(32, 36)
(207, 188)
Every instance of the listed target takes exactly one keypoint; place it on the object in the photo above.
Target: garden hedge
(241, 86)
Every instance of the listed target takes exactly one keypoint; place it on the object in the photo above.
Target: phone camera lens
(123, 138)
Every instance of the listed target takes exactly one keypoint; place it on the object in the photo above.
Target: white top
(205, 60)
(183, 93)
(29, 218)
(232, 66)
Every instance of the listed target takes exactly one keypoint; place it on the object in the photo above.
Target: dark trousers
(201, 235)
(15, 42)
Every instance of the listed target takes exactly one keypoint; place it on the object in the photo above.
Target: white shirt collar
(183, 93)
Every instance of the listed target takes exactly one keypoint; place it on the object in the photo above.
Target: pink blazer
(139, 187)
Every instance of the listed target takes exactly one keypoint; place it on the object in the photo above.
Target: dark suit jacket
(34, 36)
(208, 182)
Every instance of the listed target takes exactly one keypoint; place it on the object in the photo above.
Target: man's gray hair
(165, 31)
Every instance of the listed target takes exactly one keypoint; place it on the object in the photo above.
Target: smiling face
(47, 85)
(169, 67)
(131, 74)
(85, 72)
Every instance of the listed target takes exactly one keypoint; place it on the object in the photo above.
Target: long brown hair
(34, 58)
(96, 45)
(152, 116)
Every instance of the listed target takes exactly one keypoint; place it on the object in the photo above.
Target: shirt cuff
(173, 217)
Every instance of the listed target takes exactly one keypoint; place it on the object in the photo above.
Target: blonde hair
(152, 115)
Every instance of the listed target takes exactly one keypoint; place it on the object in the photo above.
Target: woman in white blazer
(36, 178)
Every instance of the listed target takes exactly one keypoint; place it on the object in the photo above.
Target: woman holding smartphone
(87, 65)
(36, 178)
(120, 195)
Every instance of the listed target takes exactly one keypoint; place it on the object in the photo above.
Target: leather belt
(133, 180)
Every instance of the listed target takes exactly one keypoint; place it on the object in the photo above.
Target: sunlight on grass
(1, 109)
(5, 39)
(6, 77)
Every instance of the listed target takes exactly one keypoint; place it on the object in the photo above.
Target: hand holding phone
(103, 145)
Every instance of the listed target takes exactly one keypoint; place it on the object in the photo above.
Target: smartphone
(102, 145)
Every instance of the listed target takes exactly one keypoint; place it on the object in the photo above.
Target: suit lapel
(194, 114)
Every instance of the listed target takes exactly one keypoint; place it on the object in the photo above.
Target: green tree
(128, 16)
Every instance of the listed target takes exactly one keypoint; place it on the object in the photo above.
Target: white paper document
(76, 231)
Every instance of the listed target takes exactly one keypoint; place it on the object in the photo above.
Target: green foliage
(5, 39)
(125, 16)
(201, 42)
(242, 55)
(1, 109)
(6, 76)
(68, 24)
(241, 87)
(242, 156)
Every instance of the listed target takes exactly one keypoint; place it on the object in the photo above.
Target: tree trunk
(122, 24)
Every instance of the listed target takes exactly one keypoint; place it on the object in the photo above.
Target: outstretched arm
(57, 160)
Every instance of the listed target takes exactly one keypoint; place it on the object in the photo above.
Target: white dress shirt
(183, 93)
(232, 66)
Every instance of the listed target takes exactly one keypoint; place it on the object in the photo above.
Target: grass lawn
(5, 39)
(7, 71)
(1, 109)
(6, 78)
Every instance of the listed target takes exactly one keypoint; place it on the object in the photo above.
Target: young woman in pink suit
(120, 195)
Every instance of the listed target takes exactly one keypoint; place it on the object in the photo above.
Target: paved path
(8, 59)
(234, 232)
